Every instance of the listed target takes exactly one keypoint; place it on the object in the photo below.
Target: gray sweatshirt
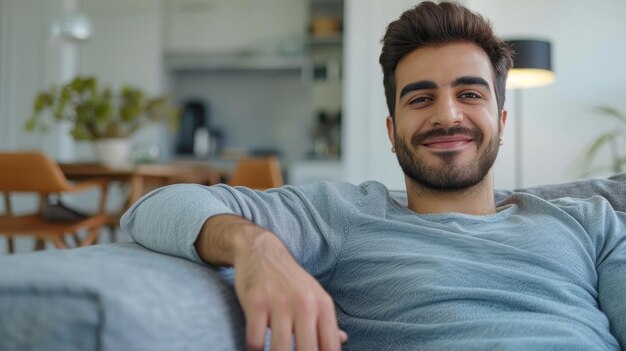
(537, 275)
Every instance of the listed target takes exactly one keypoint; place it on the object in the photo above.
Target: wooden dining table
(143, 178)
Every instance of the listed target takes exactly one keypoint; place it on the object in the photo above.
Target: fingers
(330, 338)
(281, 325)
(256, 324)
(275, 292)
(343, 336)
(306, 326)
(315, 327)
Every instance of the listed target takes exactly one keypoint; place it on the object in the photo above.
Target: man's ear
(391, 133)
(503, 122)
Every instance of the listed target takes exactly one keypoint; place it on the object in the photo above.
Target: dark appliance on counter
(195, 135)
(327, 136)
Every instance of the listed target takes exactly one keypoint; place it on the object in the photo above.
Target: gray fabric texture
(114, 297)
(536, 275)
(613, 189)
(55, 320)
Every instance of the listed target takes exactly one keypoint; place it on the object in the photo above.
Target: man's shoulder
(592, 207)
(613, 189)
(582, 209)
(347, 192)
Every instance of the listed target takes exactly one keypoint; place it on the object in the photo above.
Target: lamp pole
(532, 67)
(519, 140)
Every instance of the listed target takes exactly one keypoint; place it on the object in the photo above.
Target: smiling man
(447, 126)
(334, 264)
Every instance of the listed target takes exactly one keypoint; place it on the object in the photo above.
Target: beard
(446, 174)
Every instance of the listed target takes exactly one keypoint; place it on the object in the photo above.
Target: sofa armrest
(115, 297)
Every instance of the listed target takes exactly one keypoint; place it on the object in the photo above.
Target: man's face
(446, 132)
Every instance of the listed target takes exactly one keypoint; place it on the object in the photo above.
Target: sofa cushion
(613, 189)
(41, 320)
(115, 297)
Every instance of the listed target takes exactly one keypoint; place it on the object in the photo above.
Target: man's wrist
(257, 240)
(223, 238)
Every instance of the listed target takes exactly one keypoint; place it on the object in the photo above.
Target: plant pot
(113, 152)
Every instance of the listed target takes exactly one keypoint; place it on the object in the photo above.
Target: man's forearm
(223, 236)
(272, 288)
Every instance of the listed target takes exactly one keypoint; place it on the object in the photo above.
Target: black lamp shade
(532, 64)
(531, 54)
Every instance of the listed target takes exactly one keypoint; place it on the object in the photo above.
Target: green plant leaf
(42, 100)
(91, 85)
(596, 170)
(95, 112)
(612, 112)
(31, 123)
(620, 165)
(596, 146)
(79, 133)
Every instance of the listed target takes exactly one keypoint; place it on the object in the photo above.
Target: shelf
(336, 39)
(327, 2)
(221, 62)
(336, 6)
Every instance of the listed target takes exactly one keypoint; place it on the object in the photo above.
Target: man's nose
(447, 114)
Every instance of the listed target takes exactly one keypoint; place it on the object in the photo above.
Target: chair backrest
(258, 173)
(30, 172)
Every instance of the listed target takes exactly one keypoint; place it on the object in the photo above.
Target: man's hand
(274, 291)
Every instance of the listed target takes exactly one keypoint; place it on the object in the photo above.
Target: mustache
(419, 138)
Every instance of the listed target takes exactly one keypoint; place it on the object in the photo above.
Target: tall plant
(609, 140)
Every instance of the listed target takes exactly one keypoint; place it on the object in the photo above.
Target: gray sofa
(125, 297)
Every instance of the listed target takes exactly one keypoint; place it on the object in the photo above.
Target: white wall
(126, 46)
(28, 63)
(588, 56)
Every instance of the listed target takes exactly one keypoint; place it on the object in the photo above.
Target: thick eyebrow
(470, 80)
(421, 85)
(427, 84)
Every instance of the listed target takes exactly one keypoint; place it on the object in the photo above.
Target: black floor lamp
(532, 67)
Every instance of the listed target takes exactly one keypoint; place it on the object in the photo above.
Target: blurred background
(298, 79)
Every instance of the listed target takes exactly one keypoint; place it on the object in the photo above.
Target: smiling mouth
(448, 143)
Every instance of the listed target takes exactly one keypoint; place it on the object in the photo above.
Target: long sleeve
(611, 268)
(169, 219)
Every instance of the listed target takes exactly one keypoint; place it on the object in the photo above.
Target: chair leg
(40, 244)
(58, 243)
(75, 240)
(114, 225)
(10, 244)
(113, 232)
(92, 237)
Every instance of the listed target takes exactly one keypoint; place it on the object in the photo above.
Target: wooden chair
(258, 173)
(33, 172)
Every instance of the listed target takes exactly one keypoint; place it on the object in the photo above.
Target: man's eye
(470, 96)
(418, 100)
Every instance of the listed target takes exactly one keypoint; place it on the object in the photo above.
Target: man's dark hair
(431, 24)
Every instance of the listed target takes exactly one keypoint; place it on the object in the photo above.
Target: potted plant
(105, 116)
(610, 140)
